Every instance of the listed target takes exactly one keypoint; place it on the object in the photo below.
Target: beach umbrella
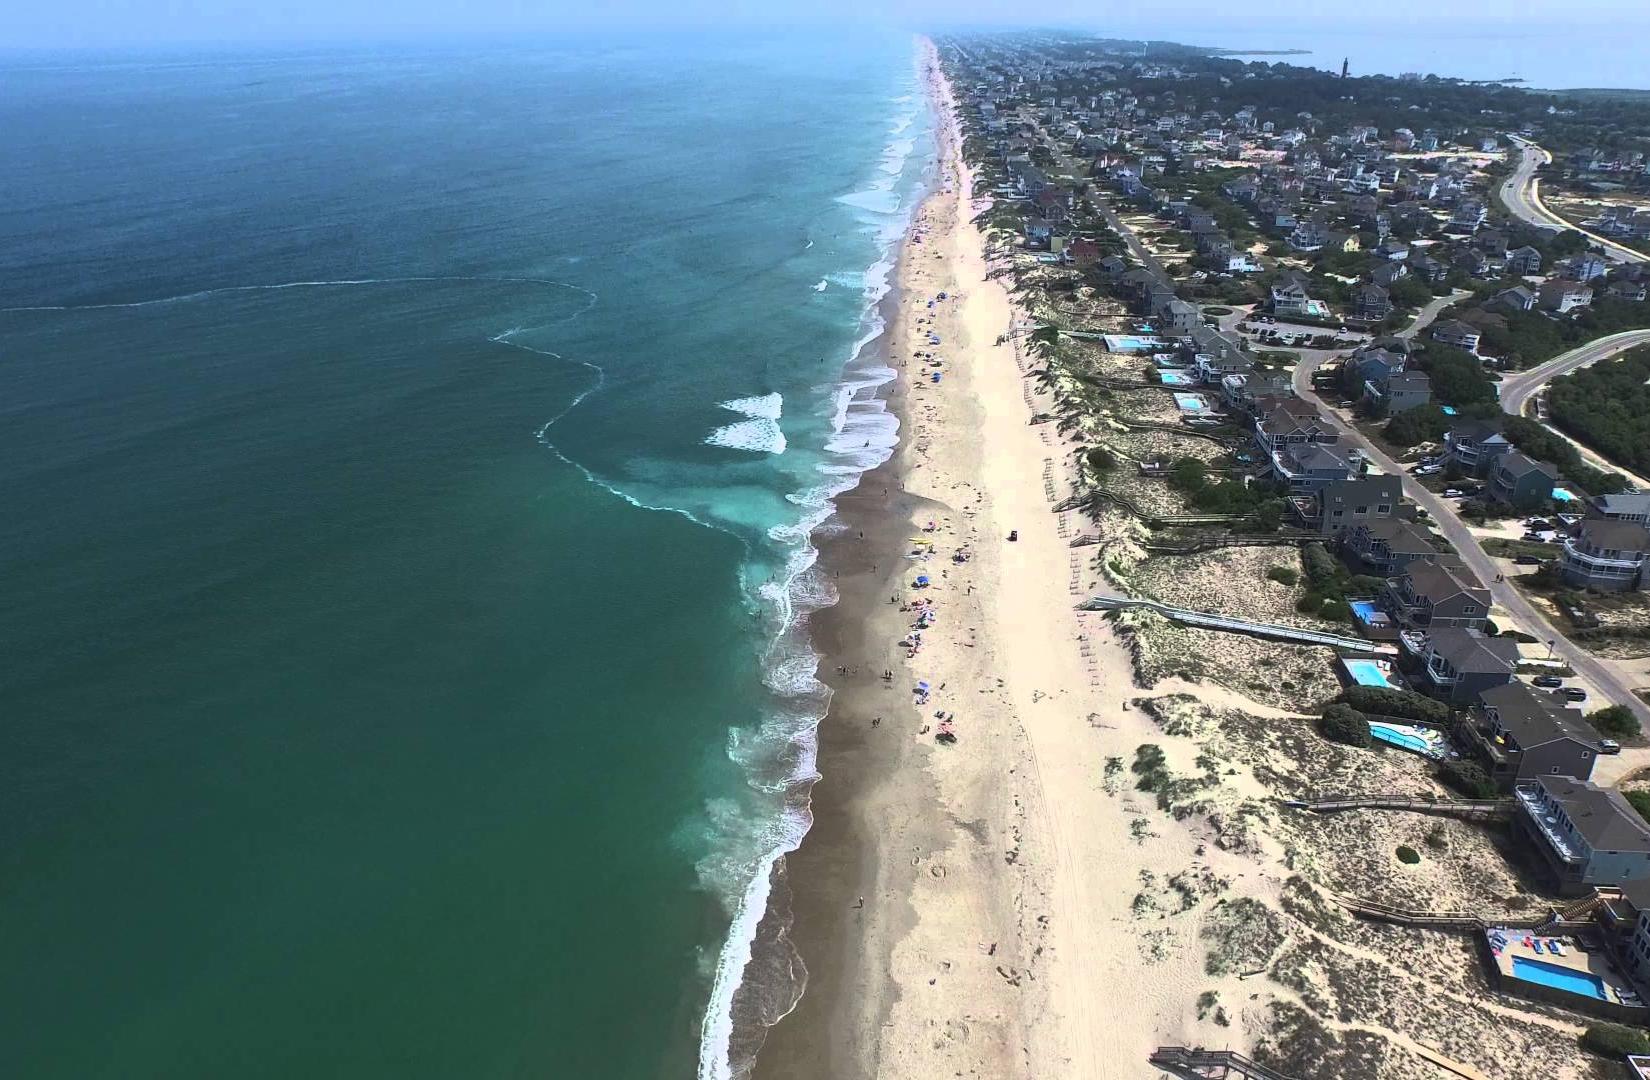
(922, 685)
(922, 579)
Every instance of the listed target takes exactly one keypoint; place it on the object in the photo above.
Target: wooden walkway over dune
(1207, 621)
(1191, 1063)
(1474, 809)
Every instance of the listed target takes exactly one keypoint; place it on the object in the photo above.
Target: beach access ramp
(1207, 621)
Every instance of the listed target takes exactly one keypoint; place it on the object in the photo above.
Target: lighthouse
(1346, 66)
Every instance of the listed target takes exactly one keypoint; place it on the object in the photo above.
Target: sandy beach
(964, 909)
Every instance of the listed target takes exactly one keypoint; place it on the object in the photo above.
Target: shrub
(1615, 720)
(1435, 838)
(1640, 801)
(1408, 855)
(1615, 1040)
(1467, 778)
(1101, 460)
(1309, 603)
(1335, 610)
(1149, 767)
(1344, 724)
(1401, 703)
(1283, 575)
(1320, 566)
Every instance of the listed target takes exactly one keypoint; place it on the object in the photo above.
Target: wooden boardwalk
(1191, 1063)
(1208, 621)
(1479, 809)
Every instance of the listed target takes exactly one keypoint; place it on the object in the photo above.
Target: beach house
(1342, 504)
(1519, 734)
(1384, 547)
(1587, 836)
(1436, 593)
(1474, 446)
(1622, 506)
(1606, 555)
(1521, 482)
(1457, 333)
(1457, 665)
(1563, 297)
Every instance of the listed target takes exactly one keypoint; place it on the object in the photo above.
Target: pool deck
(1594, 963)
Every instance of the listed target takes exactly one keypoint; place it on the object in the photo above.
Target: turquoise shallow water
(405, 668)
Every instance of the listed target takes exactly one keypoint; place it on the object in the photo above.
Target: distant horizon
(58, 30)
(1374, 45)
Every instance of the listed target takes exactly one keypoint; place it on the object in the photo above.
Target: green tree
(1344, 724)
(1616, 721)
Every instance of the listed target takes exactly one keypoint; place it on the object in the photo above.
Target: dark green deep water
(346, 727)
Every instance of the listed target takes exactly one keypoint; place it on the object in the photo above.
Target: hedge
(1615, 1040)
(1401, 703)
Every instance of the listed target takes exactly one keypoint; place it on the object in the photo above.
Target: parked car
(1609, 746)
(1533, 538)
(1453, 493)
(1571, 693)
(1527, 560)
(1548, 681)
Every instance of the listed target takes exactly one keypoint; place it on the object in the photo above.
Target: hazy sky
(51, 23)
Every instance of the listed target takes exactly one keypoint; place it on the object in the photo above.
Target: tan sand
(996, 937)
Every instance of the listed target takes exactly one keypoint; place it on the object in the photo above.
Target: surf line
(204, 294)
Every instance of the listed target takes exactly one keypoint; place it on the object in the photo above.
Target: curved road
(1519, 388)
(1521, 194)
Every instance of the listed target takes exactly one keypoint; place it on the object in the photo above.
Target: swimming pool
(1191, 402)
(1365, 610)
(1176, 378)
(1367, 673)
(1560, 978)
(1132, 343)
(1447, 410)
(1416, 740)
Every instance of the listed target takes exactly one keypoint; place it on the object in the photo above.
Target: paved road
(1517, 389)
(1528, 617)
(1521, 193)
(1312, 359)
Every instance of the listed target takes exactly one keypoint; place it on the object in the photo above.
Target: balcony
(1547, 823)
(1441, 673)
(1581, 559)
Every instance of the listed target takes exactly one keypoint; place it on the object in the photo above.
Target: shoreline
(997, 873)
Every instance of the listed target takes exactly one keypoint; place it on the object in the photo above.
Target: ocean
(411, 460)
(1545, 50)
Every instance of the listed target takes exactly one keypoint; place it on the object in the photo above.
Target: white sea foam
(823, 284)
(863, 434)
(764, 407)
(757, 436)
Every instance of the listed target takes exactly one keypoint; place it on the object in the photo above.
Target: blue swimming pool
(1367, 673)
(1190, 402)
(1364, 609)
(1404, 740)
(1560, 978)
(1176, 378)
(1447, 410)
(1132, 342)
(1561, 495)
